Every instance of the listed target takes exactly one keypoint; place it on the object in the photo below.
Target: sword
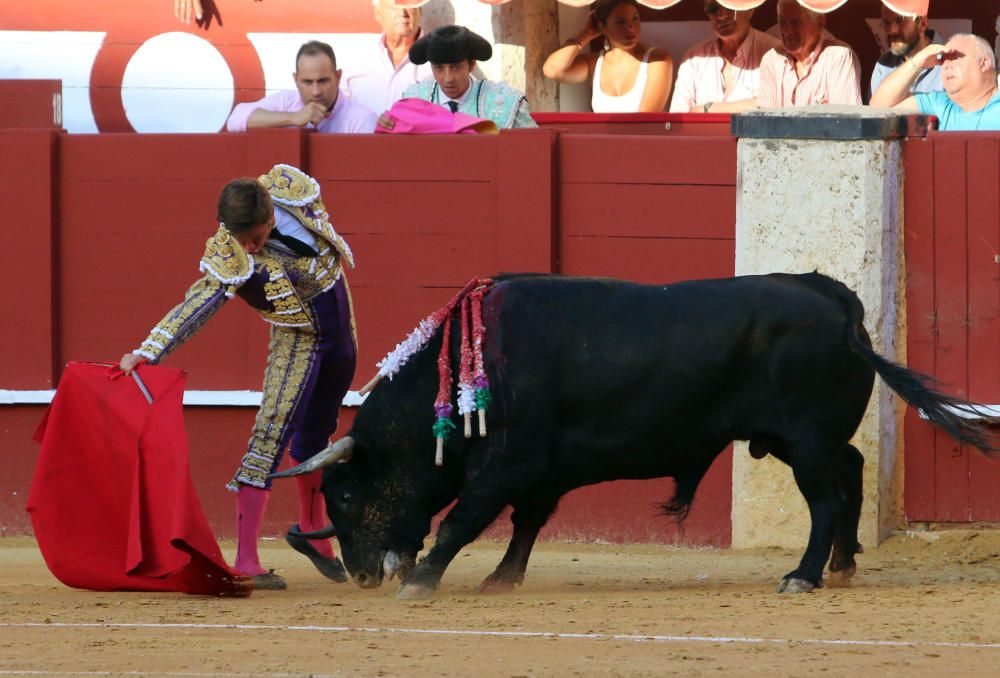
(142, 387)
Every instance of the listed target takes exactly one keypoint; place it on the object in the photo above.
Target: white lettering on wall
(55, 55)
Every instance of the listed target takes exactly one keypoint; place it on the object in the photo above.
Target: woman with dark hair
(276, 249)
(627, 75)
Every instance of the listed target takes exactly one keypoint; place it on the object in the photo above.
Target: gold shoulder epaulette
(289, 185)
(226, 260)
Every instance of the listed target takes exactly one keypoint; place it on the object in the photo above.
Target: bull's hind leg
(528, 518)
(814, 468)
(845, 538)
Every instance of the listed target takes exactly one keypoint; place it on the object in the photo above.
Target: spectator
(722, 73)
(385, 69)
(276, 248)
(907, 35)
(627, 76)
(970, 100)
(186, 10)
(199, 12)
(810, 66)
(317, 103)
(453, 52)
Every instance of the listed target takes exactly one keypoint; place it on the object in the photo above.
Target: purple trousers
(309, 370)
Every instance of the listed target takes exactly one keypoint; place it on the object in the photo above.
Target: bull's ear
(338, 451)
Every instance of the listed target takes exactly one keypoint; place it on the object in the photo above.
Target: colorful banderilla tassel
(442, 405)
(474, 386)
(466, 389)
(480, 380)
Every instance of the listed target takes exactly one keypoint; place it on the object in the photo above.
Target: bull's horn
(339, 451)
(325, 533)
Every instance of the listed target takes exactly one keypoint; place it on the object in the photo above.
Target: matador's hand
(129, 362)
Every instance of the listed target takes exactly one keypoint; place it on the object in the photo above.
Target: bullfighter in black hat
(453, 52)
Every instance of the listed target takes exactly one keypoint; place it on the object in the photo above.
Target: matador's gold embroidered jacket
(273, 282)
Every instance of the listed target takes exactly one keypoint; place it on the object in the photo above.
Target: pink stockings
(250, 504)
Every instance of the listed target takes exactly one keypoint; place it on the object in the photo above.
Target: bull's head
(380, 509)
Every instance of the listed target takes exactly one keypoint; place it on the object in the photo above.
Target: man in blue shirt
(907, 34)
(970, 100)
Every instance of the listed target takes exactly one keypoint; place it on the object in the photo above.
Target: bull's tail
(963, 420)
(685, 486)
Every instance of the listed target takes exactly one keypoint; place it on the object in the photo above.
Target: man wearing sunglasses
(970, 100)
(906, 34)
(810, 66)
(722, 74)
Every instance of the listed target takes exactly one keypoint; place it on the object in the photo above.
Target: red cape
(112, 502)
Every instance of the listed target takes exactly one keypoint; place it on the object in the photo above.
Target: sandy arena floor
(921, 604)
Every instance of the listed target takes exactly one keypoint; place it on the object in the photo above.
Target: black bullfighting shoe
(331, 568)
(269, 581)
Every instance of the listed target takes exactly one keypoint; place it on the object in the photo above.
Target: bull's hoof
(491, 585)
(797, 585)
(414, 592)
(841, 578)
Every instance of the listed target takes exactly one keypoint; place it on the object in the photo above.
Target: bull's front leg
(472, 514)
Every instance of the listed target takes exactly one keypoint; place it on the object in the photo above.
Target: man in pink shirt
(317, 103)
(722, 74)
(386, 71)
(810, 66)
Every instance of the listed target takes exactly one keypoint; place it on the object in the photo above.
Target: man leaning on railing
(970, 100)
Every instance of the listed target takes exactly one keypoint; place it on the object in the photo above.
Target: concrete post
(819, 188)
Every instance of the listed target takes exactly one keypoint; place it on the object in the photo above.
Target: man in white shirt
(385, 69)
(722, 74)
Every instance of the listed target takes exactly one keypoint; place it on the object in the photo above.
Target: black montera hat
(449, 45)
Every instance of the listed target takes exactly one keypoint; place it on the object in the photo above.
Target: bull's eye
(345, 498)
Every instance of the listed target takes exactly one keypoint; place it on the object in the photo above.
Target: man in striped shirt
(722, 74)
(810, 66)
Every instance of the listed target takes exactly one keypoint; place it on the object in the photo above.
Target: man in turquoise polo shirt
(970, 100)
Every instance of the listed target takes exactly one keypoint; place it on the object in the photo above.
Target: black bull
(598, 379)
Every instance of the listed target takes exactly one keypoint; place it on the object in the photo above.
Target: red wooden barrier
(113, 226)
(654, 210)
(27, 355)
(674, 124)
(31, 104)
(422, 214)
(952, 208)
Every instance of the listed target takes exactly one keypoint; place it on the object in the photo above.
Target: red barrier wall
(952, 209)
(667, 215)
(118, 223)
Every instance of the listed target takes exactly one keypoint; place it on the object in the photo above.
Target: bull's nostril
(362, 578)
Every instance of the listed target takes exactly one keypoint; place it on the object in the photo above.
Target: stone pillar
(522, 32)
(819, 188)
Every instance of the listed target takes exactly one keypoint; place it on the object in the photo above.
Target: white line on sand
(174, 674)
(638, 638)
